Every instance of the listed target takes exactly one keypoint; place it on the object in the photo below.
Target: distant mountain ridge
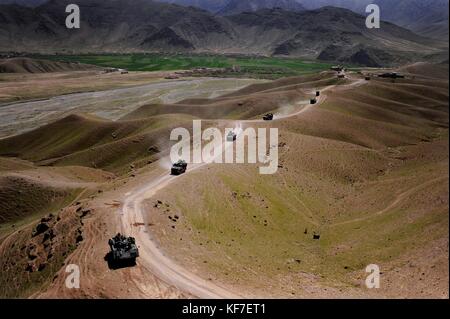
(425, 17)
(125, 26)
(28, 3)
(212, 6)
(239, 6)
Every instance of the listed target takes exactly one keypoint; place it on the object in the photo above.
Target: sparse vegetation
(368, 177)
(363, 178)
(260, 67)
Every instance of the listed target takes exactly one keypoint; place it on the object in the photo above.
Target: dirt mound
(29, 65)
(39, 190)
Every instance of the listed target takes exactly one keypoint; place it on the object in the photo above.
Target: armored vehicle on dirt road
(231, 137)
(178, 168)
(391, 75)
(123, 248)
(337, 68)
(268, 117)
(313, 101)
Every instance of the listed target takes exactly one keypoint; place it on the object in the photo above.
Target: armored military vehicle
(317, 93)
(268, 117)
(178, 168)
(123, 248)
(391, 75)
(231, 136)
(313, 101)
(337, 68)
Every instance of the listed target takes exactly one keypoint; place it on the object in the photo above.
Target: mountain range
(425, 17)
(121, 26)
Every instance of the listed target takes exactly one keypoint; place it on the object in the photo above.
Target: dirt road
(152, 257)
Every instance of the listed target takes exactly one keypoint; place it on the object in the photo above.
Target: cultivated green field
(250, 66)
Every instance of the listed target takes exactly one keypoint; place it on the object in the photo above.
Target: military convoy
(337, 68)
(231, 137)
(391, 75)
(268, 117)
(178, 168)
(123, 249)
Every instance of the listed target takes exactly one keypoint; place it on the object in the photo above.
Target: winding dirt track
(152, 257)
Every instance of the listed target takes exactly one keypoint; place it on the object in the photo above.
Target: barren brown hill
(29, 65)
(36, 232)
(28, 191)
(247, 103)
(93, 142)
(427, 70)
(15, 188)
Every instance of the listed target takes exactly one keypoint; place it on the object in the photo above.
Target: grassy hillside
(156, 62)
(93, 142)
(367, 170)
(136, 139)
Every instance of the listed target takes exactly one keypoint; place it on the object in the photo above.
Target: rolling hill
(366, 169)
(28, 65)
